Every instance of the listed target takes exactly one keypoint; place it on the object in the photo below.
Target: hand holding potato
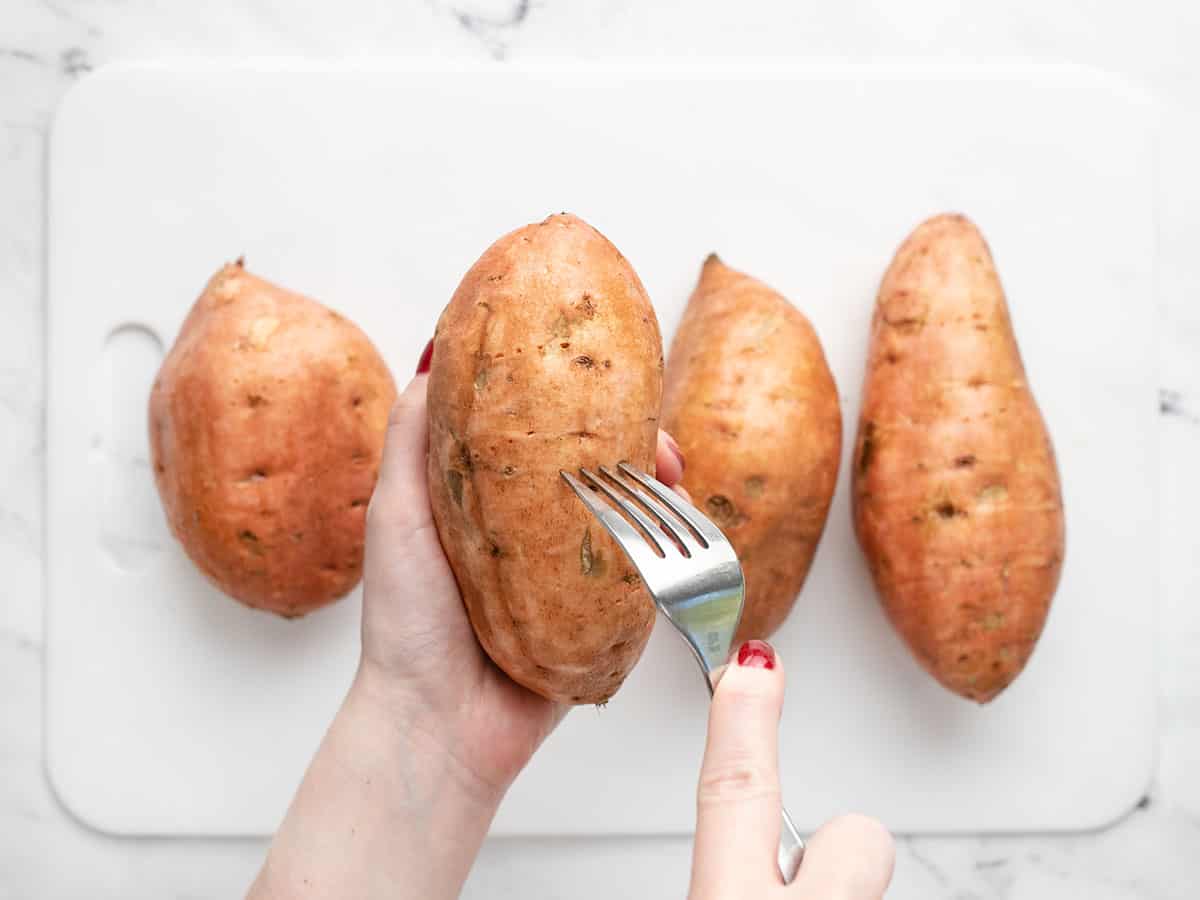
(418, 644)
(404, 787)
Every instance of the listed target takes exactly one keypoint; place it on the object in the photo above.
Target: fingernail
(426, 358)
(756, 655)
(678, 453)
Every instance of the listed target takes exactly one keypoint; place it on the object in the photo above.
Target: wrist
(382, 811)
(423, 742)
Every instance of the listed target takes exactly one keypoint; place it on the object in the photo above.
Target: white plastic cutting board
(172, 710)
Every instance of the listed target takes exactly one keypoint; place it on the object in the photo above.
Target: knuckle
(736, 780)
(375, 518)
(398, 414)
(391, 509)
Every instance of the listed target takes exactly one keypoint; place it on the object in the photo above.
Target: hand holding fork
(692, 572)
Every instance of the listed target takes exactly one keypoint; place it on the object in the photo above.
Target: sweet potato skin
(750, 399)
(547, 358)
(267, 421)
(957, 500)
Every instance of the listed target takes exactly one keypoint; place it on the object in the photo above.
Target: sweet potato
(548, 357)
(751, 401)
(266, 430)
(956, 498)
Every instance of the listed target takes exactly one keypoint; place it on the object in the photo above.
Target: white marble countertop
(45, 44)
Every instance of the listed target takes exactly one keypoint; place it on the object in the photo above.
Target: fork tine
(626, 535)
(699, 523)
(630, 509)
(674, 527)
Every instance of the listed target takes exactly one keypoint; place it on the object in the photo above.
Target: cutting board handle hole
(131, 531)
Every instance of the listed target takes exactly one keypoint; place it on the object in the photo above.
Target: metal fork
(691, 571)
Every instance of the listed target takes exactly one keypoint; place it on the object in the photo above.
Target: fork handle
(791, 849)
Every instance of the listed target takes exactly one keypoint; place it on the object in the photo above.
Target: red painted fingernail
(756, 655)
(678, 453)
(426, 358)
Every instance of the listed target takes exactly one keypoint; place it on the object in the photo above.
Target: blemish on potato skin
(561, 327)
(946, 510)
(723, 511)
(993, 493)
(755, 485)
(259, 333)
(591, 562)
(454, 482)
(867, 453)
(251, 541)
(906, 324)
(585, 553)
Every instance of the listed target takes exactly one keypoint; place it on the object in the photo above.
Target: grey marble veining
(46, 44)
(492, 23)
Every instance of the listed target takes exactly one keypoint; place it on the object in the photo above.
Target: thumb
(738, 805)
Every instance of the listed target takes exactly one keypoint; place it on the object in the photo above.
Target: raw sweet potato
(957, 502)
(751, 401)
(547, 358)
(266, 430)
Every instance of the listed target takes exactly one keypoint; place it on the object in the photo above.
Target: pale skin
(399, 797)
